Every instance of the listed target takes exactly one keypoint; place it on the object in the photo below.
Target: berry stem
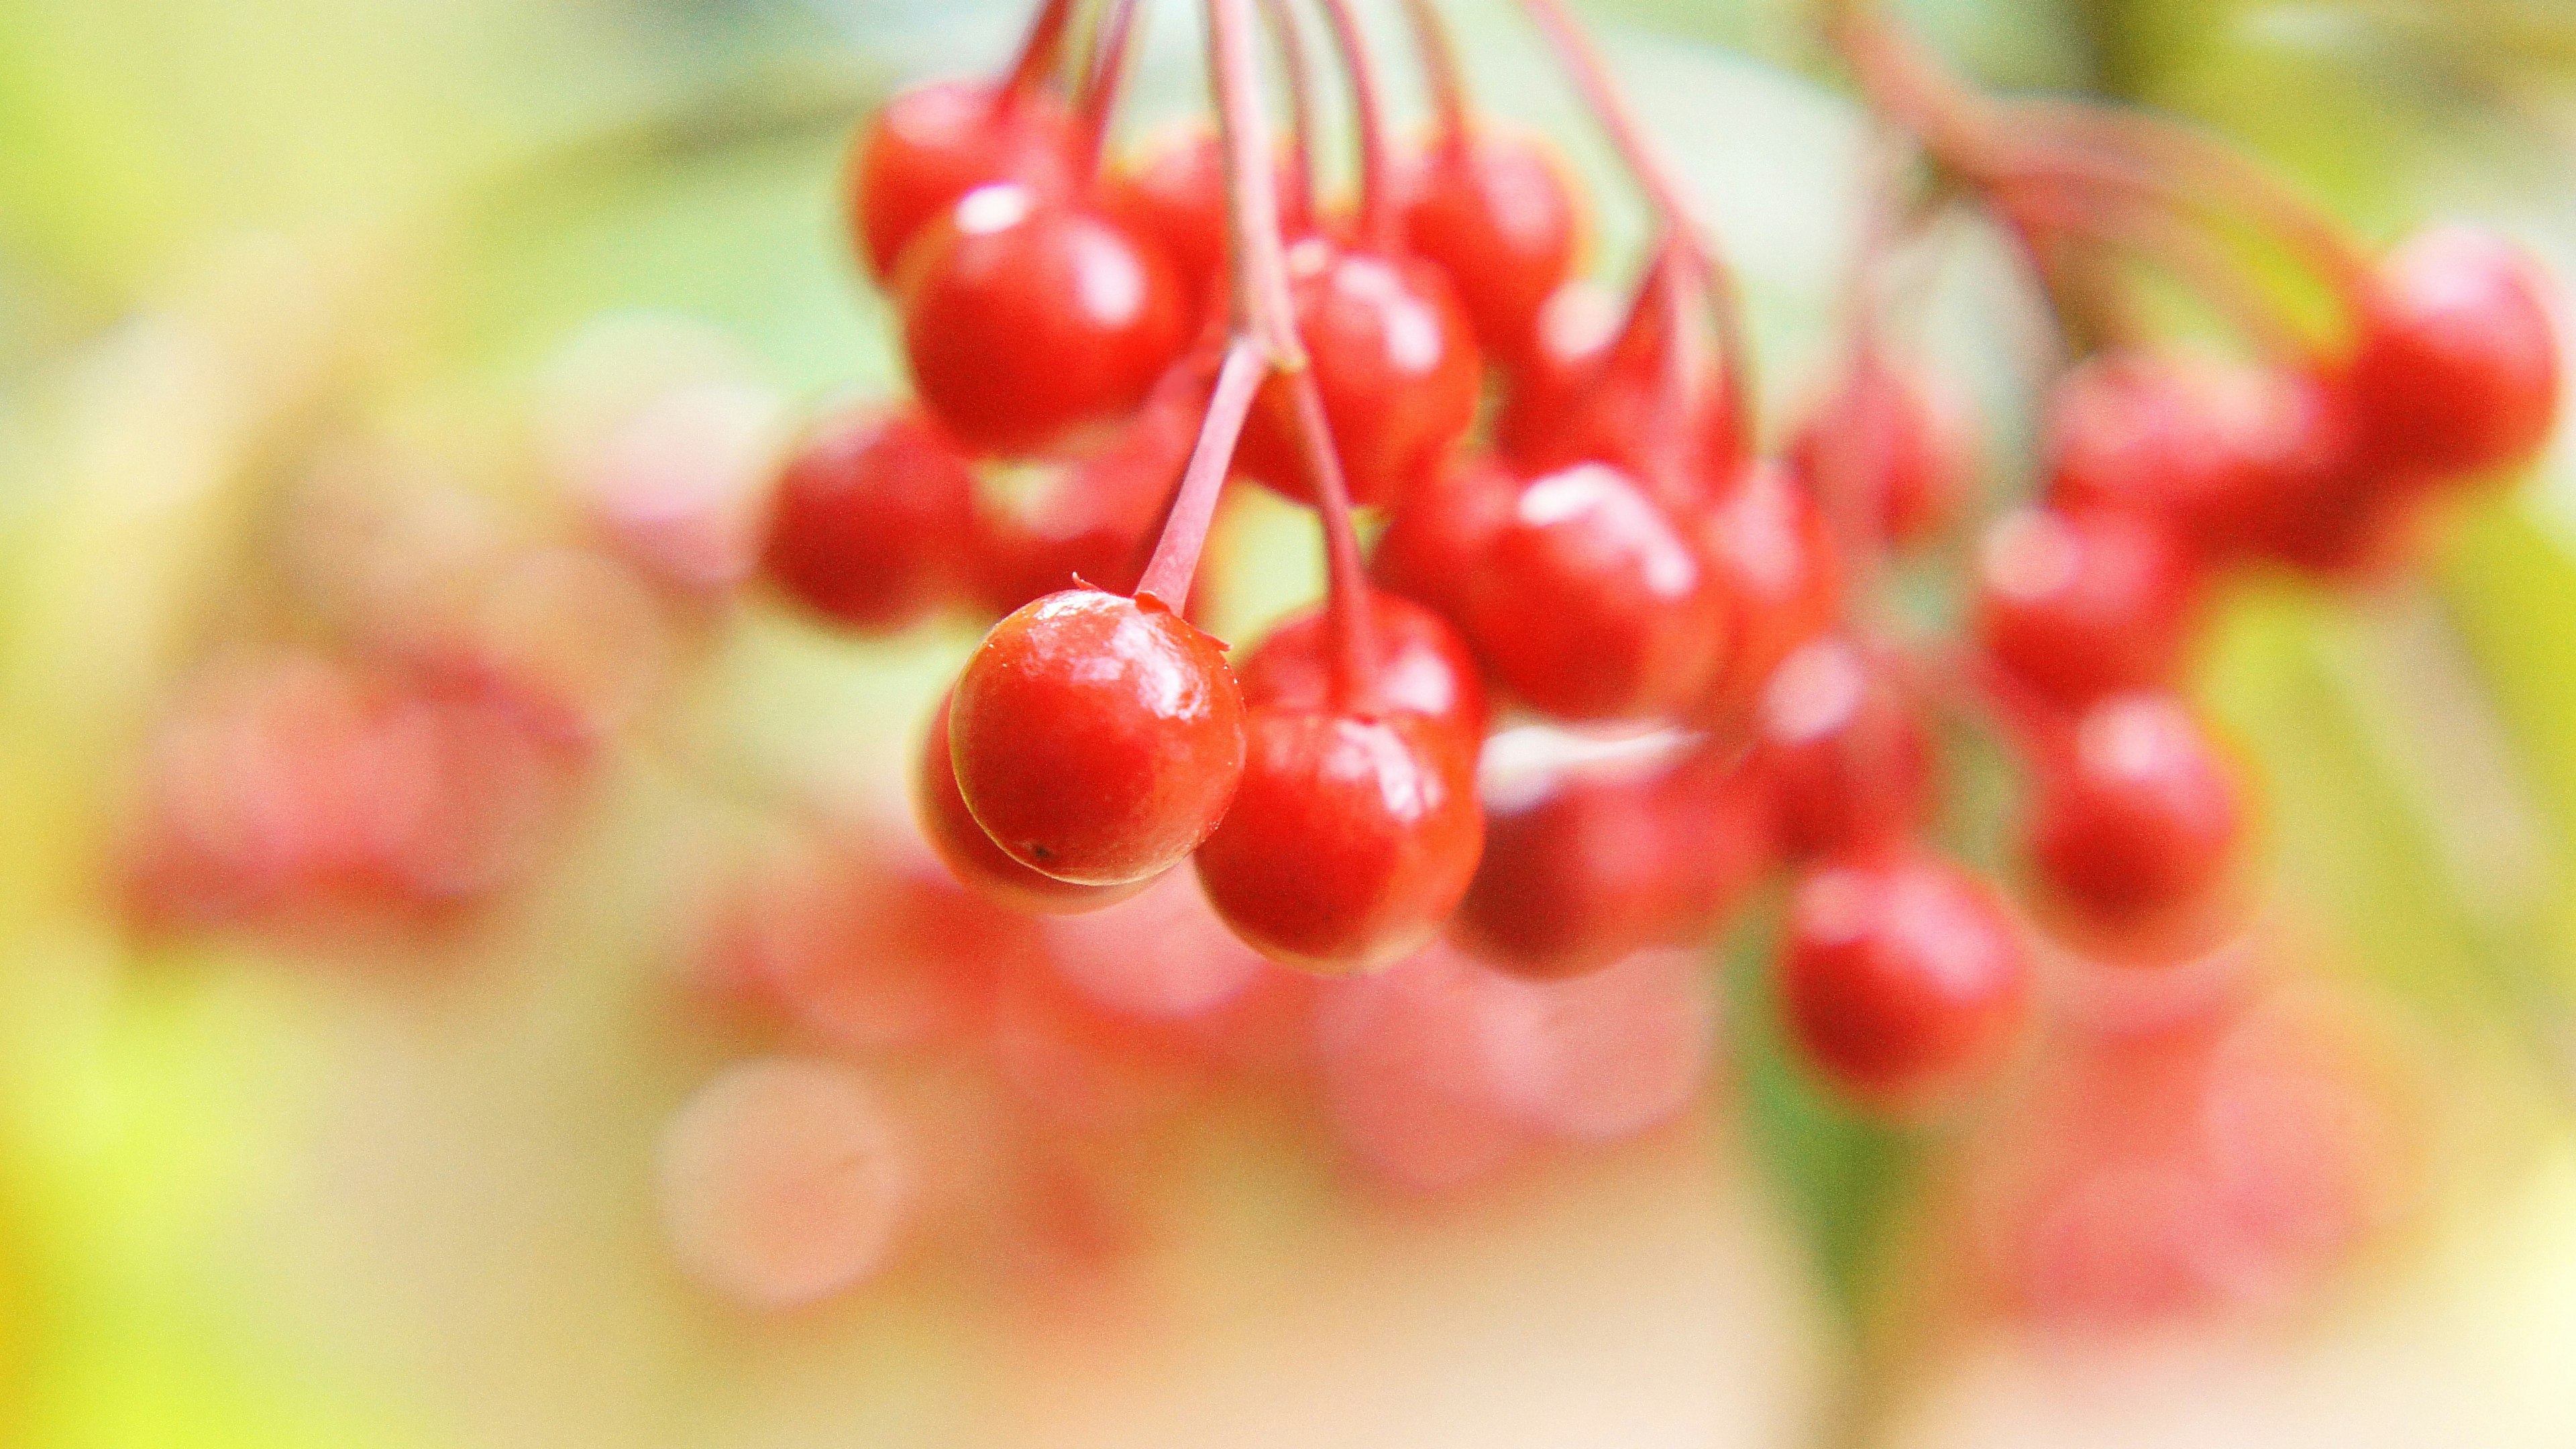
(1447, 79)
(1290, 38)
(1376, 214)
(1345, 585)
(1110, 51)
(1256, 269)
(2156, 237)
(1175, 560)
(1609, 108)
(1039, 50)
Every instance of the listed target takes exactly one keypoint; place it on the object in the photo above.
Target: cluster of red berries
(1611, 555)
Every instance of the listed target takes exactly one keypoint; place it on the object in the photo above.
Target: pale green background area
(261, 1203)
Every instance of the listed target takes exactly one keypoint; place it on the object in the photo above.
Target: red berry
(1437, 533)
(1774, 557)
(1093, 519)
(1423, 667)
(1846, 763)
(1028, 322)
(1591, 601)
(1588, 388)
(2077, 604)
(1394, 360)
(871, 520)
(934, 143)
(1174, 194)
(970, 854)
(2225, 454)
(1097, 738)
(1350, 841)
(1902, 975)
(1889, 437)
(2457, 367)
(2141, 816)
(1586, 863)
(1493, 212)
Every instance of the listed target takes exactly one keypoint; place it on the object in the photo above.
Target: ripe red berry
(1846, 763)
(1350, 841)
(1589, 387)
(934, 143)
(2457, 367)
(970, 854)
(1395, 361)
(1437, 533)
(2077, 604)
(2225, 454)
(1096, 738)
(871, 519)
(1887, 435)
(1028, 322)
(1173, 193)
(1591, 601)
(1774, 557)
(1902, 975)
(1586, 863)
(1423, 667)
(1494, 212)
(2140, 817)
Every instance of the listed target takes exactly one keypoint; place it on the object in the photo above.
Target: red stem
(2158, 238)
(1609, 109)
(1110, 51)
(1290, 38)
(1255, 266)
(1377, 216)
(1039, 50)
(1447, 79)
(1346, 594)
(1185, 529)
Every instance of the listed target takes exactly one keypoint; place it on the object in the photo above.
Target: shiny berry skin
(1494, 212)
(2141, 816)
(1028, 322)
(970, 854)
(870, 524)
(1893, 439)
(1096, 738)
(2225, 454)
(1437, 533)
(1350, 841)
(1846, 763)
(1591, 601)
(1423, 667)
(1774, 557)
(934, 143)
(1902, 975)
(1590, 387)
(2077, 604)
(2457, 369)
(1395, 361)
(1586, 863)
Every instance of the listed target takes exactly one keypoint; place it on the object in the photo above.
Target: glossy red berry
(1350, 841)
(1590, 387)
(1846, 763)
(1494, 212)
(1592, 601)
(1586, 863)
(934, 143)
(2457, 369)
(1096, 738)
(1437, 533)
(1395, 361)
(2077, 604)
(2140, 817)
(1902, 975)
(871, 520)
(1423, 667)
(1028, 322)
(1895, 442)
(1774, 557)
(970, 854)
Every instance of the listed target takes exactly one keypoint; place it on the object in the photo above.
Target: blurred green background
(244, 1206)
